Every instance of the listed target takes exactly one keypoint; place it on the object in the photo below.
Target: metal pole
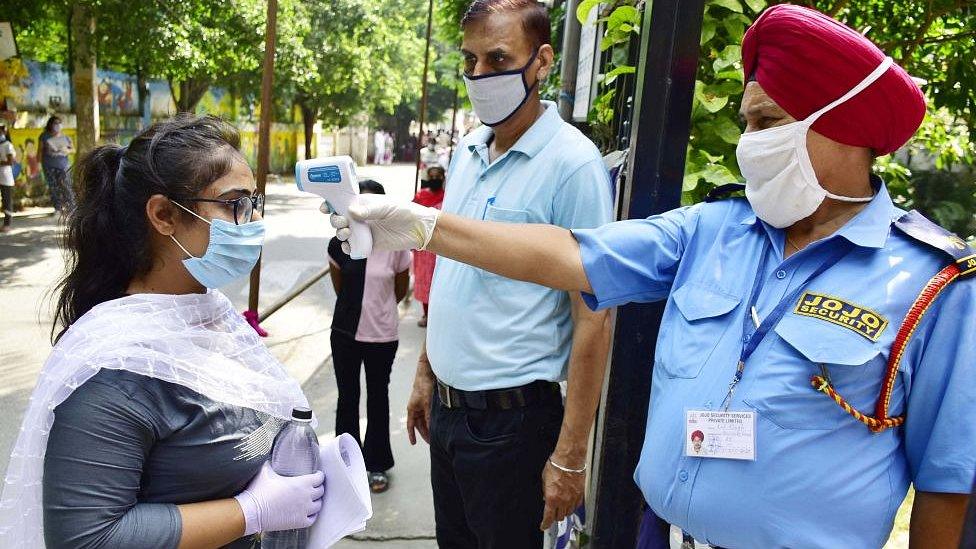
(453, 121)
(264, 132)
(293, 294)
(423, 95)
(659, 138)
(570, 63)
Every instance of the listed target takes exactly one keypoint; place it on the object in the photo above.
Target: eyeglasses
(244, 206)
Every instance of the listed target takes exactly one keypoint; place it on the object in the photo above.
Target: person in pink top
(364, 333)
(432, 195)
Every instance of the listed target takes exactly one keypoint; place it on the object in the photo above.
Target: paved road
(31, 261)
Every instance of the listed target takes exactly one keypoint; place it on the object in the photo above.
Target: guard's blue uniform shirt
(820, 478)
(490, 332)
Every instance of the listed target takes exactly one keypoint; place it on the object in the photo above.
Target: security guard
(813, 356)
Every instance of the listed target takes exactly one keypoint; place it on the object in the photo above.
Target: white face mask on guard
(499, 95)
(781, 185)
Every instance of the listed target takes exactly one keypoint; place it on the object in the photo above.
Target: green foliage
(41, 28)
(715, 128)
(354, 57)
(622, 21)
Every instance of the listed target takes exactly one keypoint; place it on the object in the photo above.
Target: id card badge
(723, 435)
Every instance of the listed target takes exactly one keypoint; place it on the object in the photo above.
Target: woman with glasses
(152, 420)
(364, 336)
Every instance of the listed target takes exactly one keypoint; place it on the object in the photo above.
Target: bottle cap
(302, 414)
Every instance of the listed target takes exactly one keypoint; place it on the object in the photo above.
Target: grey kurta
(126, 449)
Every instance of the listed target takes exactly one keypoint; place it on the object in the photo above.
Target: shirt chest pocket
(693, 328)
(783, 392)
(514, 294)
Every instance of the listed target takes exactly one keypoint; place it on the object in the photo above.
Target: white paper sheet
(346, 505)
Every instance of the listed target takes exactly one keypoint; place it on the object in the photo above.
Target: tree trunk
(144, 103)
(191, 91)
(309, 114)
(83, 78)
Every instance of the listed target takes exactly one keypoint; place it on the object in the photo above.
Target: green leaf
(726, 88)
(726, 130)
(708, 30)
(735, 28)
(735, 74)
(728, 57)
(709, 101)
(733, 5)
(622, 15)
(756, 5)
(612, 75)
(717, 174)
(690, 181)
(584, 9)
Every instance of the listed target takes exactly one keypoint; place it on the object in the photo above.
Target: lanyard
(752, 340)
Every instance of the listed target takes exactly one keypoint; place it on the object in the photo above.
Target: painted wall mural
(118, 93)
(46, 89)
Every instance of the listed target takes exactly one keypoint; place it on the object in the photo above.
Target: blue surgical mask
(231, 254)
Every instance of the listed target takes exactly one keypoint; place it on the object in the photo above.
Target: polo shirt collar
(533, 140)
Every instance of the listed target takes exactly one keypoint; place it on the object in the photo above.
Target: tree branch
(934, 40)
(930, 18)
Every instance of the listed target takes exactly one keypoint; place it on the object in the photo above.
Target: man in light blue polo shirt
(787, 407)
(505, 461)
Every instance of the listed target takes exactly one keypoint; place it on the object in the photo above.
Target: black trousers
(486, 472)
(347, 357)
(7, 197)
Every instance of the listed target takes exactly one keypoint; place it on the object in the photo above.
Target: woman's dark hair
(49, 127)
(370, 186)
(107, 237)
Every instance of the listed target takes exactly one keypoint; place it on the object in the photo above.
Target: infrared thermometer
(334, 179)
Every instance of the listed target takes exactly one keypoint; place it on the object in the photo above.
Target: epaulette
(723, 191)
(918, 227)
(963, 257)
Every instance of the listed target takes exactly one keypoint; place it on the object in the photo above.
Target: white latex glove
(272, 502)
(395, 225)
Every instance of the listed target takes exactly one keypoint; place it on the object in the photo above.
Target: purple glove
(272, 502)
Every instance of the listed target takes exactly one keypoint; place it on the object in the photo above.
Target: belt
(497, 399)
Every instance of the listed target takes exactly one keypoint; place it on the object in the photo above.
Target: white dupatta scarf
(198, 341)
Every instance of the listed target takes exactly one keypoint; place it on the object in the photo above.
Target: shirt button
(708, 405)
(683, 476)
(745, 339)
(781, 274)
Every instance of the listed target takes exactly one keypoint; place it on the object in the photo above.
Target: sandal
(378, 482)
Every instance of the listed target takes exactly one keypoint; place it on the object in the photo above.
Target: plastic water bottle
(295, 453)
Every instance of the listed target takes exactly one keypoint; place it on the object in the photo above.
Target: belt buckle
(445, 395)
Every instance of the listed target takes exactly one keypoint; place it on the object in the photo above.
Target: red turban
(698, 434)
(804, 60)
